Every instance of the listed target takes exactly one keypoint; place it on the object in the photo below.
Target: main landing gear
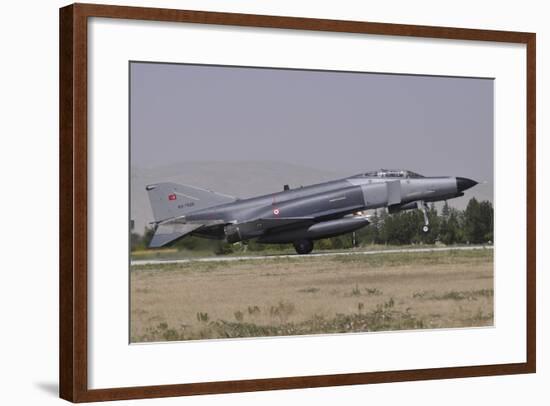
(303, 246)
(422, 206)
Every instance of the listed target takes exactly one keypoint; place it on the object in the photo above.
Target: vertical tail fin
(170, 200)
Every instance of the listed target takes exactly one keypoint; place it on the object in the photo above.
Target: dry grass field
(314, 295)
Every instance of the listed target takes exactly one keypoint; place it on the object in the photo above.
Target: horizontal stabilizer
(166, 233)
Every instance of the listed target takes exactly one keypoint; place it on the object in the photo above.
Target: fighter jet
(298, 216)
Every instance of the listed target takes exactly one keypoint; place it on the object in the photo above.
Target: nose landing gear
(422, 206)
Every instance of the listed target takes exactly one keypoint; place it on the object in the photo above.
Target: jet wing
(174, 229)
(279, 222)
(259, 226)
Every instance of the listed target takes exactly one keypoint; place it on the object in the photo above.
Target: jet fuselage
(305, 213)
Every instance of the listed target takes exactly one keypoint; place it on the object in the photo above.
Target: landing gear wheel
(425, 229)
(303, 246)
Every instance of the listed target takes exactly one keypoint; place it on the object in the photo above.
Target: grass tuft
(455, 295)
(309, 290)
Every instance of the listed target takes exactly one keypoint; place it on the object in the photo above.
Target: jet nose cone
(464, 183)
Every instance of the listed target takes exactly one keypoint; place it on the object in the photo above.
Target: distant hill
(243, 179)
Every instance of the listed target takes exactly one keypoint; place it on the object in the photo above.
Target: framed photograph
(254, 202)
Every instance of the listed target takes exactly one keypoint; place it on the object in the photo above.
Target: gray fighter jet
(298, 216)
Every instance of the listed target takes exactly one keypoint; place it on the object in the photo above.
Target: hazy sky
(335, 121)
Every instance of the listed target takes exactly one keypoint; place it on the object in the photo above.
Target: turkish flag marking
(172, 197)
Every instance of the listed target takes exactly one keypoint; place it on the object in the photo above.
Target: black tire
(303, 247)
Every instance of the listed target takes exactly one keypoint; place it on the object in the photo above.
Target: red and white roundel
(276, 212)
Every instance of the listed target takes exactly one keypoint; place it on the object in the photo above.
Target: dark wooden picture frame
(73, 279)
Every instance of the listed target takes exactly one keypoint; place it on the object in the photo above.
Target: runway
(297, 256)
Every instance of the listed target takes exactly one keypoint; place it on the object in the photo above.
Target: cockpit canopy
(389, 173)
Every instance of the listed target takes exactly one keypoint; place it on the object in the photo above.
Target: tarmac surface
(319, 254)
